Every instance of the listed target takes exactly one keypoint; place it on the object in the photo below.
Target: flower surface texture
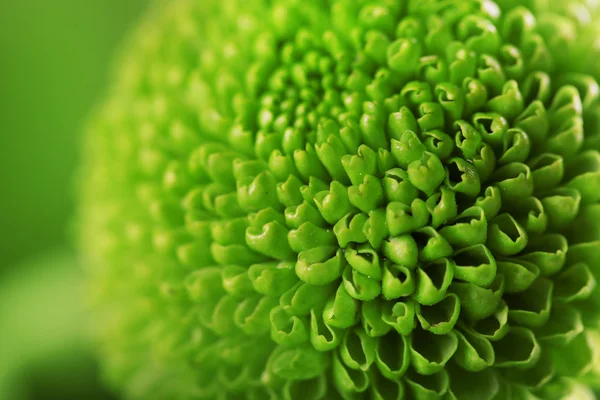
(393, 199)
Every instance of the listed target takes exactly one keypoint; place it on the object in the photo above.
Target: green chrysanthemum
(387, 199)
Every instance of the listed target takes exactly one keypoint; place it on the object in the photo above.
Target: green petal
(300, 299)
(357, 350)
(400, 316)
(348, 380)
(314, 389)
(478, 302)
(563, 326)
(514, 181)
(441, 317)
(462, 177)
(583, 173)
(320, 265)
(402, 219)
(430, 352)
(466, 385)
(402, 250)
(475, 265)
(236, 281)
(519, 348)
(385, 389)
(490, 202)
(397, 186)
(398, 281)
(322, 336)
(341, 310)
(427, 173)
(548, 252)
(505, 236)
(442, 207)
(433, 281)
(287, 330)
(519, 275)
(468, 229)
(531, 308)
(299, 363)
(474, 353)
(372, 318)
(360, 286)
(432, 245)
(577, 357)
(576, 282)
(516, 147)
(392, 355)
(272, 279)
(365, 260)
(547, 171)
(428, 387)
(494, 327)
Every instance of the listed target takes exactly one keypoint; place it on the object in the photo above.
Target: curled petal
(474, 353)
(477, 302)
(372, 318)
(357, 350)
(506, 237)
(534, 120)
(400, 316)
(385, 389)
(441, 317)
(462, 177)
(341, 310)
(430, 352)
(432, 245)
(333, 204)
(564, 325)
(519, 275)
(320, 265)
(400, 122)
(398, 281)
(468, 229)
(431, 116)
(576, 282)
(428, 387)
(300, 299)
(272, 279)
(490, 202)
(531, 308)
(392, 355)
(515, 182)
(547, 171)
(475, 265)
(561, 206)
(236, 281)
(442, 207)
(548, 252)
(397, 186)
(433, 281)
(287, 330)
(402, 218)
(360, 286)
(348, 380)
(439, 143)
(519, 348)
(323, 337)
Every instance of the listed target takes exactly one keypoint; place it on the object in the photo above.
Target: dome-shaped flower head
(359, 199)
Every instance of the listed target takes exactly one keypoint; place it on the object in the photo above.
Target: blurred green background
(55, 59)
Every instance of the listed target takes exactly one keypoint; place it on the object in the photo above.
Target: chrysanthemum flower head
(378, 199)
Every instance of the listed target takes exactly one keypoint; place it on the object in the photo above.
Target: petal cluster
(340, 199)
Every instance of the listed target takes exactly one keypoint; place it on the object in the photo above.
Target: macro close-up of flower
(348, 199)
